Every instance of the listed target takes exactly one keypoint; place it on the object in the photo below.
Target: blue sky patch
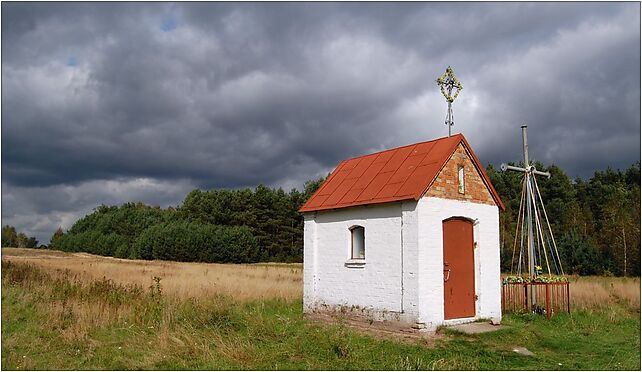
(72, 61)
(168, 23)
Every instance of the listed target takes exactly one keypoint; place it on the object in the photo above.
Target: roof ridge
(401, 147)
(371, 173)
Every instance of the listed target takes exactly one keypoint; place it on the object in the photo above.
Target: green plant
(538, 279)
(109, 326)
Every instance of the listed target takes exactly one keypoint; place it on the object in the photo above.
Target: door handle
(448, 275)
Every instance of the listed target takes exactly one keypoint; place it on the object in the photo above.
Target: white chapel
(409, 234)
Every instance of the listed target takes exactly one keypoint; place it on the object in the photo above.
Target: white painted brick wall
(309, 260)
(376, 285)
(410, 262)
(431, 212)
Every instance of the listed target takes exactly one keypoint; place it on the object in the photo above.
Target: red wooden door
(459, 269)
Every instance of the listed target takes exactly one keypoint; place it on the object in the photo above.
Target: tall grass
(72, 322)
(74, 307)
(263, 281)
(598, 293)
(63, 319)
(179, 279)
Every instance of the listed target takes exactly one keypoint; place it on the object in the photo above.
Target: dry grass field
(591, 292)
(178, 279)
(80, 311)
(260, 281)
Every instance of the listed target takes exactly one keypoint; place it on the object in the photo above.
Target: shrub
(91, 242)
(123, 251)
(194, 241)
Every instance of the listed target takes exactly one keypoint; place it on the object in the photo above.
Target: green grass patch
(50, 323)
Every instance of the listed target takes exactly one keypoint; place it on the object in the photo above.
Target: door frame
(473, 222)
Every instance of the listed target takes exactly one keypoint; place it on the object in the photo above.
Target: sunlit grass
(58, 315)
(179, 279)
(592, 292)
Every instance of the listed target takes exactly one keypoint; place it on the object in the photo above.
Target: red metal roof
(398, 174)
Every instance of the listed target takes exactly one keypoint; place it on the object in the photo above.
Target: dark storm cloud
(154, 99)
(40, 210)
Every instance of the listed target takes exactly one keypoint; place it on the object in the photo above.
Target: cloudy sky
(115, 102)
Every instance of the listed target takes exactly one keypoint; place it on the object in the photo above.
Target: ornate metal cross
(450, 88)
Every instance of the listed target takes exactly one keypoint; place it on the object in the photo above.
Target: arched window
(358, 242)
(460, 176)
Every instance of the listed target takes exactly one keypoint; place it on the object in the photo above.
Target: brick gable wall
(446, 185)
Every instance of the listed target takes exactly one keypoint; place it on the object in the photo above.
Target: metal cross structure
(448, 83)
(533, 214)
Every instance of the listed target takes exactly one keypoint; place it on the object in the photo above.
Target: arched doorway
(459, 268)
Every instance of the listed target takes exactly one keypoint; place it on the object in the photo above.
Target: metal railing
(554, 297)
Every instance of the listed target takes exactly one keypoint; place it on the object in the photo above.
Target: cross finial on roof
(450, 88)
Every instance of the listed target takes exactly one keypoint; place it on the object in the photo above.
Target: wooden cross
(530, 172)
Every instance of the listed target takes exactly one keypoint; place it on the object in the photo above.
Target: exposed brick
(446, 185)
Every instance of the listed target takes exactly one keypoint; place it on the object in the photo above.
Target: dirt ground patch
(384, 330)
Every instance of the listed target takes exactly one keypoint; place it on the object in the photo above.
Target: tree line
(12, 238)
(596, 223)
(218, 225)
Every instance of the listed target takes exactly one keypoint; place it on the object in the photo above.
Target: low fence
(550, 298)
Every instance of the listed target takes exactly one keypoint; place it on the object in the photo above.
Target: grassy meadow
(79, 311)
